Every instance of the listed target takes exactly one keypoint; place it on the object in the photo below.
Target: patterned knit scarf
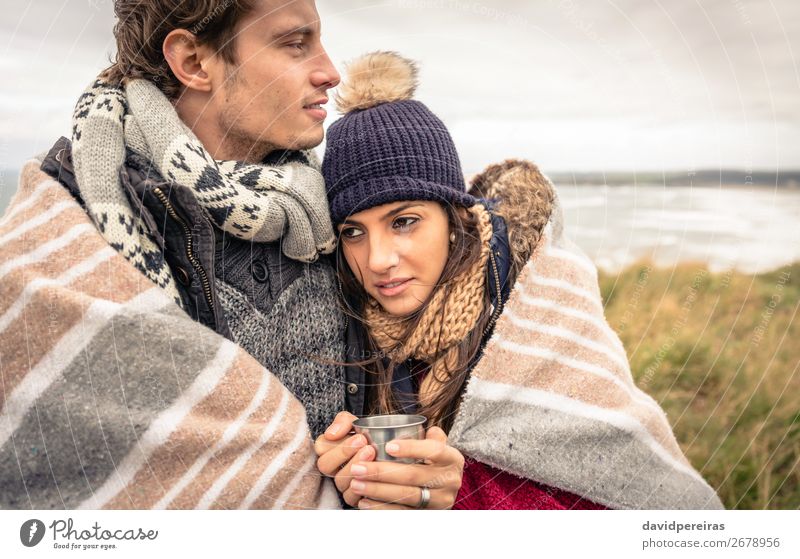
(446, 320)
(262, 203)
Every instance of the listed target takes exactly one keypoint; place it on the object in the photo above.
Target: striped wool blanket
(553, 399)
(112, 397)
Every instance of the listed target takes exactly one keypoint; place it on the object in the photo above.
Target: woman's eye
(351, 233)
(404, 223)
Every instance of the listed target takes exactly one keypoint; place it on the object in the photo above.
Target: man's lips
(315, 109)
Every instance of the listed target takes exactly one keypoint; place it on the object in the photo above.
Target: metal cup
(381, 429)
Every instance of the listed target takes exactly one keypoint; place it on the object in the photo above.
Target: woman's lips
(396, 288)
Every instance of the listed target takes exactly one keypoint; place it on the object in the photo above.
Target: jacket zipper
(500, 303)
(498, 310)
(201, 273)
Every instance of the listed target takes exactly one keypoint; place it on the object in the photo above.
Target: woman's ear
(187, 59)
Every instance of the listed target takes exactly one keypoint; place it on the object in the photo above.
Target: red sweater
(484, 487)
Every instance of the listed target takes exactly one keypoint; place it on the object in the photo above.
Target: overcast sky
(572, 84)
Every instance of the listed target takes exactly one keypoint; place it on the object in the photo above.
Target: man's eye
(298, 45)
(404, 223)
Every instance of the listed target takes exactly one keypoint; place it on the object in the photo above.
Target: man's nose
(325, 74)
(383, 255)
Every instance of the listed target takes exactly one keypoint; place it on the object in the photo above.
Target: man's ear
(187, 59)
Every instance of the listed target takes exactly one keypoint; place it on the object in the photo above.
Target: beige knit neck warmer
(447, 319)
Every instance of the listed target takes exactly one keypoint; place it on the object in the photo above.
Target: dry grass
(721, 353)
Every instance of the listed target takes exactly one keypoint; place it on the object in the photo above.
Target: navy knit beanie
(388, 147)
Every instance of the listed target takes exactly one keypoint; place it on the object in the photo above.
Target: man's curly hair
(142, 26)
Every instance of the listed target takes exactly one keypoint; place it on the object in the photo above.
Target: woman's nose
(382, 254)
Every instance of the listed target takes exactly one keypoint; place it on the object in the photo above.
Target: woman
(446, 290)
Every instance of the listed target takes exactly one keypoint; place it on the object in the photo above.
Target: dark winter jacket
(285, 313)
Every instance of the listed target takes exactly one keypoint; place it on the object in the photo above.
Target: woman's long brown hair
(465, 250)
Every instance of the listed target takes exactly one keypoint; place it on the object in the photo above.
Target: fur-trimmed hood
(524, 199)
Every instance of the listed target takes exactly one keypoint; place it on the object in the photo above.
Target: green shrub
(719, 351)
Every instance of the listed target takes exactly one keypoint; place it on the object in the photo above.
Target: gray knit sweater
(285, 314)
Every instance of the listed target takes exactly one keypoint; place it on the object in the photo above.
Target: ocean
(751, 230)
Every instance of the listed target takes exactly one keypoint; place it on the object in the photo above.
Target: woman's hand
(338, 451)
(392, 485)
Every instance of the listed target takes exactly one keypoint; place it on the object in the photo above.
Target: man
(177, 261)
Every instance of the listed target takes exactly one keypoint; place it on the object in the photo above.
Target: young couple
(192, 296)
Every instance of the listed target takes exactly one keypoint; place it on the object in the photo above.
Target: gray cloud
(571, 84)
